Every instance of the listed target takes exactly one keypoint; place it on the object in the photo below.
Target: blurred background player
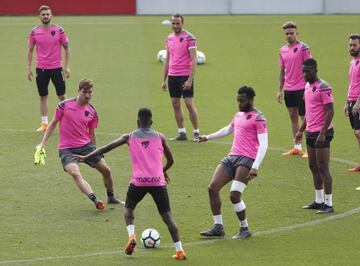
(249, 147)
(147, 148)
(48, 39)
(292, 55)
(319, 133)
(179, 69)
(78, 121)
(352, 104)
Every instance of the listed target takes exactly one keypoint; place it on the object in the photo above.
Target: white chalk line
(335, 159)
(195, 243)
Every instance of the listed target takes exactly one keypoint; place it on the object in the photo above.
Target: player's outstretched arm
(49, 131)
(112, 145)
(218, 134)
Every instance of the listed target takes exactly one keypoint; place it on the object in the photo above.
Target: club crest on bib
(313, 89)
(145, 144)
(295, 50)
(87, 113)
(53, 33)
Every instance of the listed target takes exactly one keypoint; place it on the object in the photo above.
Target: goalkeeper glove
(40, 155)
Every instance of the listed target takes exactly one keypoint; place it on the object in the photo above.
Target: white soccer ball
(201, 58)
(161, 56)
(150, 238)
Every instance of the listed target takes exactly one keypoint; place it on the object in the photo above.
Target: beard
(354, 53)
(45, 21)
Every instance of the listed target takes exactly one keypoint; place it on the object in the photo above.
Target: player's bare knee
(323, 168)
(212, 190)
(313, 167)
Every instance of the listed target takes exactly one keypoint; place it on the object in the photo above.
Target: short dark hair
(289, 25)
(311, 62)
(354, 36)
(177, 15)
(43, 7)
(144, 115)
(248, 91)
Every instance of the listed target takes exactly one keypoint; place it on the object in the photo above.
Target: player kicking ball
(147, 148)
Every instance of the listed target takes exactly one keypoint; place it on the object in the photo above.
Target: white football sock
(178, 246)
(131, 229)
(218, 219)
(319, 195)
(328, 200)
(44, 120)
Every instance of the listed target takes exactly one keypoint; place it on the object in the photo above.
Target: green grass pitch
(45, 220)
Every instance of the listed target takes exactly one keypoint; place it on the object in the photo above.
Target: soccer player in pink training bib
(48, 39)
(352, 105)
(241, 165)
(292, 55)
(179, 70)
(319, 133)
(147, 148)
(78, 120)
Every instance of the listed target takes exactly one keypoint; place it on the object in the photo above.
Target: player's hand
(167, 179)
(279, 97)
(80, 158)
(187, 84)
(252, 174)
(30, 75)
(202, 138)
(298, 137)
(355, 109)
(67, 72)
(320, 140)
(346, 110)
(163, 86)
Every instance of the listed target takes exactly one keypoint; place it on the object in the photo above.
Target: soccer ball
(150, 238)
(161, 56)
(201, 58)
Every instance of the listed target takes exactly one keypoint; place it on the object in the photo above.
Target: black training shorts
(43, 77)
(159, 194)
(312, 136)
(67, 155)
(176, 84)
(231, 162)
(295, 99)
(354, 120)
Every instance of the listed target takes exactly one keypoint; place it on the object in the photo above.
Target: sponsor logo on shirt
(148, 179)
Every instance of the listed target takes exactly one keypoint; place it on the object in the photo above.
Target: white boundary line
(195, 243)
(335, 159)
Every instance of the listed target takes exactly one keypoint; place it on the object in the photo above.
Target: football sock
(182, 130)
(196, 130)
(44, 120)
(131, 229)
(328, 200)
(297, 146)
(319, 195)
(110, 193)
(244, 223)
(178, 246)
(218, 219)
(93, 198)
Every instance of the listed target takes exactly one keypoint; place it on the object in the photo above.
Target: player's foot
(130, 246)
(100, 205)
(42, 128)
(216, 232)
(314, 206)
(325, 209)
(113, 200)
(293, 151)
(182, 136)
(180, 255)
(354, 169)
(305, 155)
(196, 136)
(244, 232)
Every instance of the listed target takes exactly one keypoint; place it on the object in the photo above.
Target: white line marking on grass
(335, 159)
(195, 243)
